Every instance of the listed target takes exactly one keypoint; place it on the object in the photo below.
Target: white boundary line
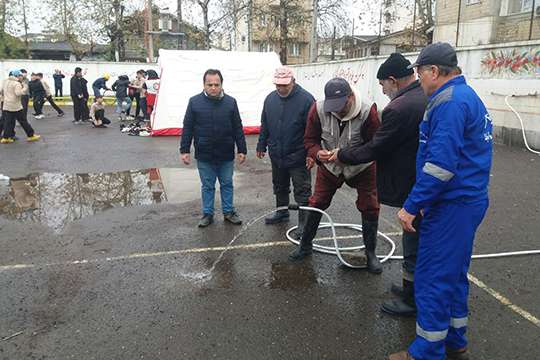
(503, 300)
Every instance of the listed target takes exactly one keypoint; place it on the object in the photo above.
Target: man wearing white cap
(283, 123)
(12, 109)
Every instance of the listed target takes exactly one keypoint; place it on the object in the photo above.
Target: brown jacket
(12, 90)
(47, 88)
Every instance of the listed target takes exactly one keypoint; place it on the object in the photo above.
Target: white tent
(247, 77)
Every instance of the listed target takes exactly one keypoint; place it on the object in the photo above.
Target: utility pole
(333, 56)
(414, 26)
(180, 24)
(458, 22)
(532, 19)
(250, 24)
(380, 30)
(149, 29)
(313, 46)
(25, 23)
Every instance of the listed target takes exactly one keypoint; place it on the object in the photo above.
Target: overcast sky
(37, 23)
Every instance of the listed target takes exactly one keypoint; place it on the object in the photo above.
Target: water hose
(337, 250)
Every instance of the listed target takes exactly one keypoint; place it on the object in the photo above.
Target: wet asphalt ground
(101, 259)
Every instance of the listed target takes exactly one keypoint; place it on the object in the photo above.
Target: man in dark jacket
(394, 147)
(283, 124)
(38, 94)
(213, 123)
(77, 95)
(121, 87)
(58, 86)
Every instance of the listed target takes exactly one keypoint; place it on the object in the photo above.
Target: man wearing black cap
(337, 121)
(451, 190)
(394, 148)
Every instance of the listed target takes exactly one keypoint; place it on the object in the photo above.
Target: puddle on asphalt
(56, 199)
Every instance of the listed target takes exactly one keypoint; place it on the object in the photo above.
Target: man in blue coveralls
(451, 190)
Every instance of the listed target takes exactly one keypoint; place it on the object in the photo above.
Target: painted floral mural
(513, 62)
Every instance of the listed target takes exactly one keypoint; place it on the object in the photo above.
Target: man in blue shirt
(451, 191)
(213, 123)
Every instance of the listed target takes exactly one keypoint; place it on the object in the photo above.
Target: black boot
(277, 217)
(280, 215)
(404, 305)
(306, 243)
(369, 233)
(302, 216)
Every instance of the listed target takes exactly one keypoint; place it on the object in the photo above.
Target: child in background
(97, 113)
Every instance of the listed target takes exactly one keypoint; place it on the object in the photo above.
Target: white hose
(336, 249)
(522, 125)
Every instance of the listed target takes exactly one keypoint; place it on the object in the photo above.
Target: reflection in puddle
(57, 199)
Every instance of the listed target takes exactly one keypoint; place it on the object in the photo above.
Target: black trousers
(25, 99)
(58, 91)
(38, 102)
(9, 123)
(143, 108)
(100, 115)
(85, 110)
(281, 180)
(53, 104)
(138, 109)
(78, 108)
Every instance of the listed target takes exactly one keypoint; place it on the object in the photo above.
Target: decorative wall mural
(514, 62)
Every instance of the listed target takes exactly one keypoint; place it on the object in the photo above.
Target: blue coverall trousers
(441, 285)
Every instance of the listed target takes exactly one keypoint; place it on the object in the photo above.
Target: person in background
(48, 95)
(136, 87)
(121, 86)
(58, 83)
(86, 98)
(13, 89)
(100, 83)
(77, 95)
(37, 92)
(152, 86)
(25, 99)
(97, 113)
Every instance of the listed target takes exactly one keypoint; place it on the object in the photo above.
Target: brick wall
(516, 27)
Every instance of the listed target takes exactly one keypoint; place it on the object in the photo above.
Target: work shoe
(206, 220)
(277, 217)
(402, 355)
(60, 114)
(369, 233)
(300, 254)
(398, 307)
(405, 305)
(233, 218)
(34, 137)
(7, 141)
(459, 354)
(397, 290)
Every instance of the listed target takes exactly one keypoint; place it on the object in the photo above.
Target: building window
(294, 49)
(517, 6)
(264, 47)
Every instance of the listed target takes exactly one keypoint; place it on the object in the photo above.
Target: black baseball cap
(436, 54)
(336, 93)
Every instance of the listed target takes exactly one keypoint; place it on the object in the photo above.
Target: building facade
(480, 22)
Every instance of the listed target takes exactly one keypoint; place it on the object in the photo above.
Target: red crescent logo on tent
(156, 86)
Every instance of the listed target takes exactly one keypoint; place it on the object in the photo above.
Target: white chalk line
(505, 301)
